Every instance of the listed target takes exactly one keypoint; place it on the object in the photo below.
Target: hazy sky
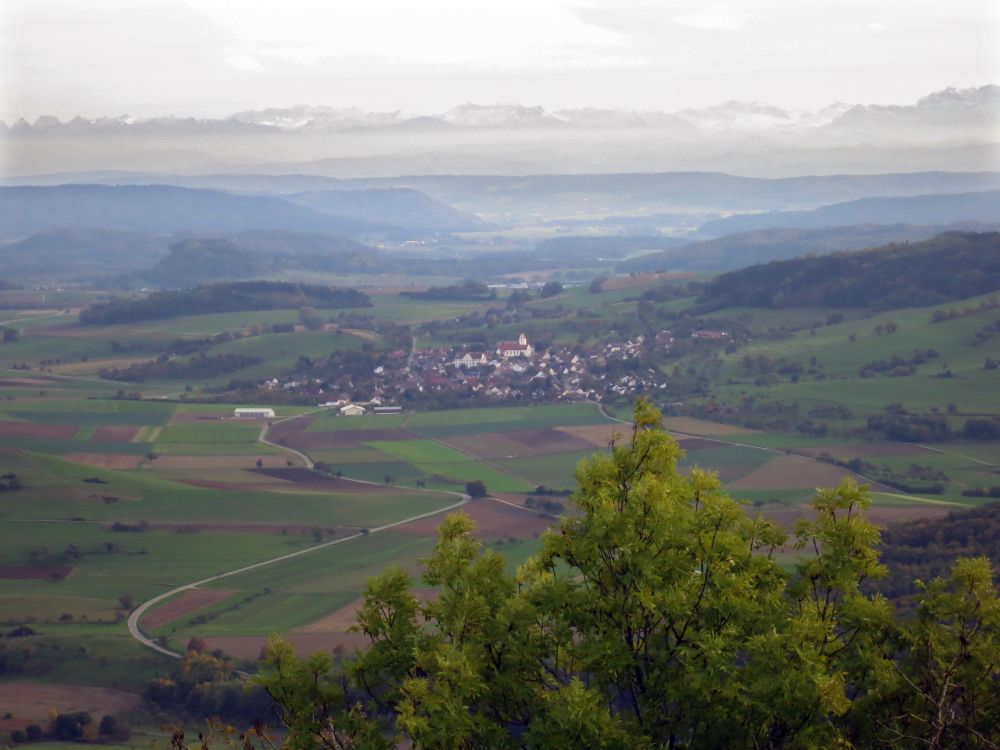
(216, 57)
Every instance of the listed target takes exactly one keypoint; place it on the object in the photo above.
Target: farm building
(388, 409)
(352, 410)
(253, 413)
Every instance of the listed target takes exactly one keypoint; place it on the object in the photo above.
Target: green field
(447, 424)
(970, 386)
(225, 432)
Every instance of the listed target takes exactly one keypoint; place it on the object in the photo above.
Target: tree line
(217, 298)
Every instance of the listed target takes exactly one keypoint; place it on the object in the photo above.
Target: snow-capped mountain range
(951, 130)
(959, 109)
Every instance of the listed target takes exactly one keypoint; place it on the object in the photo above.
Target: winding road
(136, 615)
(138, 612)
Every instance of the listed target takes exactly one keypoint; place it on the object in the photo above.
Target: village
(512, 371)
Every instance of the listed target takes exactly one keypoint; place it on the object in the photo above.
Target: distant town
(513, 371)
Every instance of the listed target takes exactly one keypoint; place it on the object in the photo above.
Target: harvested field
(36, 430)
(115, 434)
(867, 450)
(27, 382)
(106, 460)
(789, 472)
(694, 426)
(35, 572)
(493, 521)
(518, 498)
(353, 487)
(33, 700)
(881, 515)
(339, 621)
(690, 445)
(516, 443)
(199, 417)
(96, 365)
(599, 435)
(238, 527)
(214, 484)
(632, 281)
(248, 462)
(297, 475)
(182, 605)
(338, 439)
(290, 428)
(249, 646)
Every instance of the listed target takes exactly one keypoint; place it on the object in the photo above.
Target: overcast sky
(216, 57)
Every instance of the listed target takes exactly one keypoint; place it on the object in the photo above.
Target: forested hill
(744, 249)
(951, 266)
(403, 207)
(162, 209)
(235, 297)
(926, 548)
(913, 209)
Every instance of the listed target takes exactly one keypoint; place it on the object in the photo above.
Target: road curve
(262, 438)
(138, 612)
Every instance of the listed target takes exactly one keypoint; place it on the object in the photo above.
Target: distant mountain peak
(497, 115)
(958, 106)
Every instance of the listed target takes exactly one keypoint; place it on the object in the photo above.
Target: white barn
(253, 413)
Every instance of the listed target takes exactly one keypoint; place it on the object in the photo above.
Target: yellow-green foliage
(655, 616)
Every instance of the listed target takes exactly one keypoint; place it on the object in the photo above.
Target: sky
(212, 58)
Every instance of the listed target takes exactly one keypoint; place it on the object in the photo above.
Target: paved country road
(138, 612)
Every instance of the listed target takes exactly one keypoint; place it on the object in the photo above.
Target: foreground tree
(656, 616)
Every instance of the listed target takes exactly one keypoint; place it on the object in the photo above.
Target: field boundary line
(138, 612)
(776, 451)
(514, 505)
(477, 459)
(956, 455)
(919, 499)
(600, 408)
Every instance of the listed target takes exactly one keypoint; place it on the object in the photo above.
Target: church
(511, 349)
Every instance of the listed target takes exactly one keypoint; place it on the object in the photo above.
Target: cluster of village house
(514, 370)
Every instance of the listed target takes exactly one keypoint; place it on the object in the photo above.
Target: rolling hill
(81, 253)
(951, 266)
(743, 249)
(916, 209)
(161, 209)
(401, 207)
